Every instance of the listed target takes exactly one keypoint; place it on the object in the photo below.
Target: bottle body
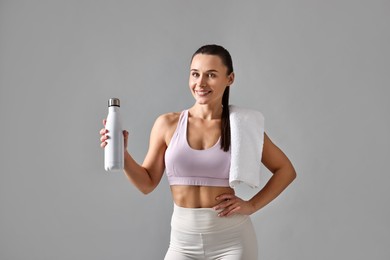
(114, 150)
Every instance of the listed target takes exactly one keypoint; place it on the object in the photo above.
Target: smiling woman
(194, 148)
(209, 78)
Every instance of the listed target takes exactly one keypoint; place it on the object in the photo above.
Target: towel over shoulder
(247, 139)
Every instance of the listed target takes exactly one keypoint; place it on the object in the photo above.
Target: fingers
(103, 138)
(103, 131)
(229, 204)
(125, 138)
(235, 208)
(228, 208)
(225, 201)
(125, 134)
(225, 196)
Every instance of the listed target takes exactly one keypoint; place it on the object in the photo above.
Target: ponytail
(225, 122)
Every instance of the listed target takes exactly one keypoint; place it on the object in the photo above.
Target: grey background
(318, 71)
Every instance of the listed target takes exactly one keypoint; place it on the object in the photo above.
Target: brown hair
(224, 55)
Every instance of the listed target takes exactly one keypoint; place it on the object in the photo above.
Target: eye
(212, 75)
(195, 74)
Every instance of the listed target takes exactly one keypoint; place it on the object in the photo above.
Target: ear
(231, 78)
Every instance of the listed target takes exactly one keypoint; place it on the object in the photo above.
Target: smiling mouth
(202, 93)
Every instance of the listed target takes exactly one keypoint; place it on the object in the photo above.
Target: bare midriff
(197, 196)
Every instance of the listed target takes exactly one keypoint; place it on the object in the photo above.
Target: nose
(202, 80)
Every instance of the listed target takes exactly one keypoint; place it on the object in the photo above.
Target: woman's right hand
(103, 136)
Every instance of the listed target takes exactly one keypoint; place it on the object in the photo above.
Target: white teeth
(202, 93)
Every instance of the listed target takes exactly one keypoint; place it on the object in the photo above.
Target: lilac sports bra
(188, 166)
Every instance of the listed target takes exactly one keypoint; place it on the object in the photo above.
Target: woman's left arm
(283, 174)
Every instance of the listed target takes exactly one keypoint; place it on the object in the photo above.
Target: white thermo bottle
(114, 150)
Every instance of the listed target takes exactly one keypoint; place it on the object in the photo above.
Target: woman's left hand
(231, 204)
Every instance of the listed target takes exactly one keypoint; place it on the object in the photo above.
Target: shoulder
(166, 123)
(165, 126)
(168, 119)
(247, 113)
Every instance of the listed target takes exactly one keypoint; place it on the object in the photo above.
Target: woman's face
(208, 79)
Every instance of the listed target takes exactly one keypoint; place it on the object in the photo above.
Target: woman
(209, 221)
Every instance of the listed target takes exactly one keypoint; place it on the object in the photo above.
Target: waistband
(203, 220)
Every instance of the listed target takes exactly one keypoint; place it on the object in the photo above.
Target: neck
(207, 112)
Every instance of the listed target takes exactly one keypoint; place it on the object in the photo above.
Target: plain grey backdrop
(319, 71)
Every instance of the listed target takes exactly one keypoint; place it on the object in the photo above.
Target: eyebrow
(206, 71)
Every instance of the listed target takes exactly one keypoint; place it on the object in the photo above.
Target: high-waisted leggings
(198, 233)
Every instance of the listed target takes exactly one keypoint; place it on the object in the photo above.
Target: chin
(200, 102)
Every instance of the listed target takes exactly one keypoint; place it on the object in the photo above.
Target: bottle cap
(114, 102)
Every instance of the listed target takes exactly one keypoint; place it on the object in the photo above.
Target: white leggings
(198, 233)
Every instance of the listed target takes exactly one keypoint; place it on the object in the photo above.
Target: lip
(202, 93)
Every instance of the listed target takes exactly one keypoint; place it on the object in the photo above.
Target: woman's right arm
(147, 176)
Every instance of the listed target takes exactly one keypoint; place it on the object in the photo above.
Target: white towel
(247, 138)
